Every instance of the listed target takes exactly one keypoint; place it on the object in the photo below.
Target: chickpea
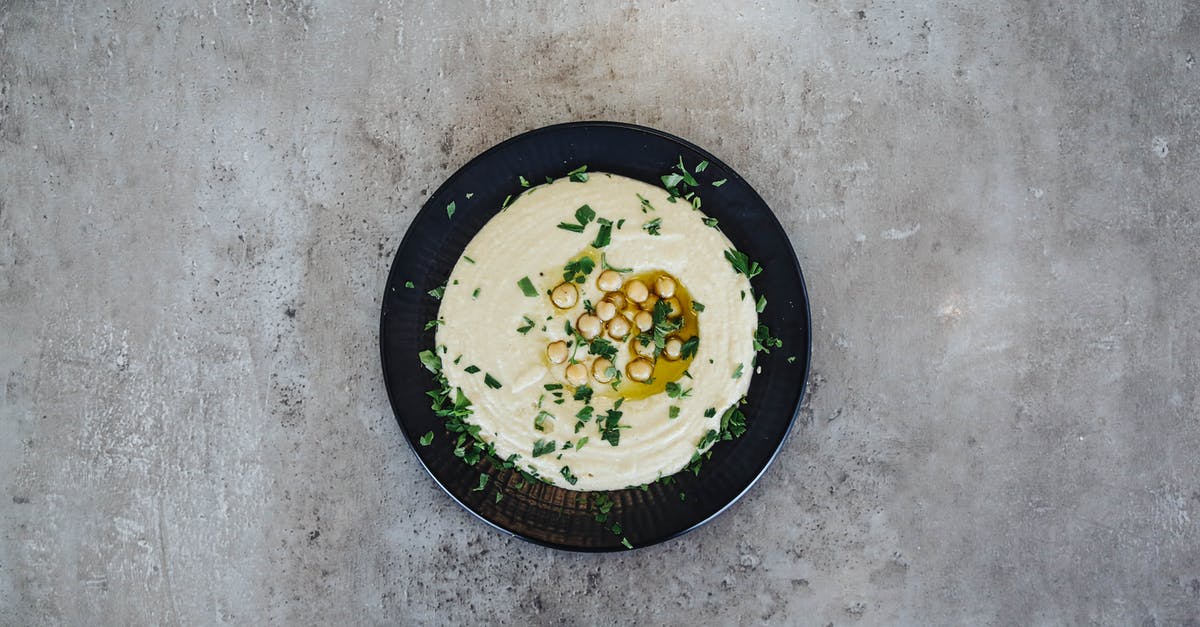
(600, 370)
(665, 286)
(577, 374)
(676, 308)
(618, 328)
(643, 320)
(564, 296)
(640, 370)
(645, 350)
(617, 299)
(589, 325)
(673, 348)
(609, 281)
(557, 352)
(605, 310)
(636, 291)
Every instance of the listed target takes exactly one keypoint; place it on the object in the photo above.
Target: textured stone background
(995, 205)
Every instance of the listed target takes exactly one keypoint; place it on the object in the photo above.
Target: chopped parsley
(539, 422)
(646, 206)
(673, 412)
(697, 306)
(432, 362)
(472, 369)
(742, 264)
(542, 447)
(527, 287)
(580, 443)
(604, 236)
(583, 417)
(578, 175)
(605, 265)
(710, 412)
(761, 305)
(409, 284)
(553, 386)
(700, 166)
(710, 222)
(468, 259)
(708, 439)
(475, 294)
(437, 292)
(450, 209)
(718, 183)
(568, 475)
(792, 359)
(763, 341)
(652, 227)
(733, 423)
(483, 480)
(491, 381)
(603, 348)
(583, 216)
(674, 390)
(578, 270)
(427, 439)
(737, 371)
(524, 183)
(507, 200)
(529, 324)
(625, 543)
(690, 347)
(583, 393)
(610, 427)
(433, 323)
(470, 195)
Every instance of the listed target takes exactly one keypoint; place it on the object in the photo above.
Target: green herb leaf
(697, 306)
(610, 427)
(568, 475)
(625, 541)
(553, 386)
(483, 481)
(524, 183)
(409, 284)
(763, 341)
(472, 369)
(652, 227)
(578, 175)
(701, 166)
(427, 439)
(737, 373)
(710, 222)
(542, 447)
(450, 209)
(574, 228)
(433, 323)
(762, 304)
(690, 347)
(475, 294)
(603, 348)
(580, 443)
(584, 215)
(646, 206)
(710, 412)
(741, 263)
(604, 264)
(437, 292)
(470, 195)
(604, 236)
(671, 180)
(529, 324)
(583, 393)
(491, 381)
(673, 412)
(432, 362)
(578, 270)
(539, 422)
(792, 359)
(718, 183)
(527, 287)
(468, 259)
(507, 201)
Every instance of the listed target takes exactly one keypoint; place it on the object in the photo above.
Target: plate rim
(549, 129)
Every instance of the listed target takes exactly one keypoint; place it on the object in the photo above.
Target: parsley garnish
(741, 263)
(763, 340)
(673, 412)
(578, 270)
(610, 428)
(472, 369)
(625, 543)
(475, 294)
(583, 215)
(542, 447)
(437, 292)
(733, 423)
(580, 443)
(652, 227)
(433, 323)
(491, 381)
(539, 422)
(690, 347)
(568, 475)
(710, 222)
(762, 304)
(792, 359)
(579, 175)
(718, 183)
(468, 259)
(604, 264)
(553, 386)
(674, 390)
(427, 439)
(527, 287)
(710, 412)
(483, 480)
(432, 362)
(507, 200)
(582, 418)
(524, 183)
(603, 348)
(583, 393)
(529, 324)
(604, 236)
(737, 371)
(450, 209)
(646, 206)
(697, 306)
(409, 284)
(700, 166)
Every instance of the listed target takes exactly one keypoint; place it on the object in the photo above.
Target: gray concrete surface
(995, 203)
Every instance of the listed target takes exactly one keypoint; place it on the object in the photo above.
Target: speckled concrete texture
(995, 204)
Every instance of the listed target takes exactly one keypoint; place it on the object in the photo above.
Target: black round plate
(542, 513)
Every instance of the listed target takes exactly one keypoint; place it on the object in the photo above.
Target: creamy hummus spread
(600, 332)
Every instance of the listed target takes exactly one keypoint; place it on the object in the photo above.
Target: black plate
(542, 513)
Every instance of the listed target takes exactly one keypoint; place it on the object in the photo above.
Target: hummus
(599, 331)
